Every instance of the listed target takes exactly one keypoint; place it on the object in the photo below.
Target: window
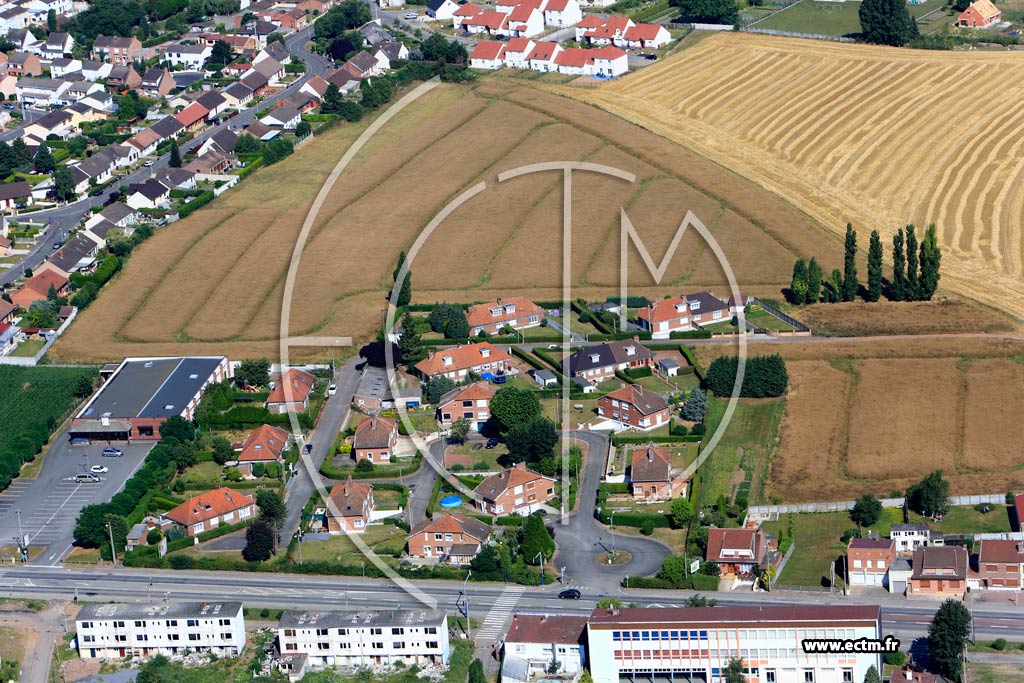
(172, 622)
(808, 675)
(438, 537)
(224, 622)
(118, 624)
(378, 646)
(192, 622)
(847, 675)
(121, 638)
(142, 637)
(431, 630)
(139, 624)
(291, 646)
(289, 632)
(375, 631)
(88, 639)
(398, 645)
(400, 631)
(769, 675)
(193, 636)
(225, 636)
(323, 646)
(321, 632)
(86, 624)
(432, 644)
(173, 636)
(342, 631)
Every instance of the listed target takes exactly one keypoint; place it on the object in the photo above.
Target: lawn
(382, 538)
(12, 644)
(995, 673)
(28, 348)
(745, 447)
(585, 413)
(768, 321)
(462, 457)
(830, 18)
(384, 499)
(201, 475)
(656, 384)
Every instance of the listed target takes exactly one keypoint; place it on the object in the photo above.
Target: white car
(332, 390)
(410, 15)
(99, 469)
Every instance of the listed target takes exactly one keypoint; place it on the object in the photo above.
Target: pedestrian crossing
(501, 611)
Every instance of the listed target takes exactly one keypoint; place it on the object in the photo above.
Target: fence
(845, 505)
(782, 564)
(793, 34)
(771, 310)
(703, 27)
(33, 360)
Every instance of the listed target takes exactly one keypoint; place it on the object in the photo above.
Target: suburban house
(375, 440)
(392, 49)
(14, 195)
(93, 70)
(455, 363)
(681, 314)
(237, 94)
(156, 83)
(41, 92)
(632, 406)
(375, 392)
(290, 392)
(211, 509)
(471, 403)
(264, 444)
(168, 127)
(516, 490)
(487, 54)
(65, 66)
(738, 552)
(868, 560)
(58, 44)
(37, 287)
(1001, 564)
(536, 642)
(516, 312)
(284, 117)
(192, 117)
(149, 195)
(362, 65)
(176, 178)
(349, 507)
(8, 337)
(145, 141)
(909, 537)
(516, 52)
(939, 571)
(191, 57)
(8, 311)
(213, 102)
(452, 538)
(23, 64)
(650, 475)
(441, 9)
(74, 256)
(115, 49)
(980, 14)
(562, 13)
(600, 362)
(648, 36)
(525, 21)
(123, 78)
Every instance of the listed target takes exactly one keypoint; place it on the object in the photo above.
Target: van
(86, 478)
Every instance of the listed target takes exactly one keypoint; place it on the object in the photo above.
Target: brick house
(980, 14)
(597, 363)
(264, 444)
(375, 440)
(452, 538)
(37, 287)
(1018, 511)
(472, 402)
(636, 407)
(456, 363)
(737, 551)
(868, 560)
(516, 312)
(350, 507)
(116, 49)
(299, 384)
(651, 473)
(1001, 564)
(516, 490)
(211, 509)
(939, 571)
(682, 313)
(24, 64)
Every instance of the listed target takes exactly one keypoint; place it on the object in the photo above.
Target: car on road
(56, 246)
(111, 452)
(552, 346)
(409, 15)
(8, 106)
(332, 390)
(491, 442)
(649, 56)
(148, 163)
(99, 469)
(97, 193)
(570, 594)
(541, 512)
(86, 478)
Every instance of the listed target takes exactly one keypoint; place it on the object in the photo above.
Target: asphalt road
(49, 504)
(62, 219)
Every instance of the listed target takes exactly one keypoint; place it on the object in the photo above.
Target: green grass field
(745, 446)
(28, 348)
(381, 537)
(829, 18)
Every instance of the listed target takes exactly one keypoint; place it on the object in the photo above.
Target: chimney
(909, 674)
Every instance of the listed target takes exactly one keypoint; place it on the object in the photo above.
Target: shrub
(647, 527)
(153, 537)
(999, 644)
(895, 658)
(265, 613)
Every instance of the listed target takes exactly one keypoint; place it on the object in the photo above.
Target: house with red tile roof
(650, 476)
(451, 538)
(291, 391)
(349, 508)
(516, 312)
(621, 32)
(489, 22)
(516, 51)
(465, 12)
(471, 402)
(613, 28)
(682, 313)
(457, 362)
(562, 13)
(487, 54)
(525, 21)
(375, 440)
(633, 407)
(542, 56)
(516, 490)
(210, 510)
(608, 62)
(1001, 564)
(980, 14)
(575, 61)
(738, 552)
(647, 36)
(37, 287)
(192, 117)
(264, 444)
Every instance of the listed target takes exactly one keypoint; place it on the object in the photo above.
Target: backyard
(831, 18)
(743, 456)
(384, 539)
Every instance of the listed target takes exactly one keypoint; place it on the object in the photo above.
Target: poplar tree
(931, 258)
(874, 267)
(913, 276)
(798, 284)
(850, 283)
(899, 267)
(813, 281)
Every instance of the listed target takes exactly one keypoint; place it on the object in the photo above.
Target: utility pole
(113, 550)
(611, 558)
(465, 602)
(541, 556)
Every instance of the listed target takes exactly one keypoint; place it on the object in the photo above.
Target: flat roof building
(144, 392)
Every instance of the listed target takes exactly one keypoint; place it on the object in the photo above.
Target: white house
(609, 62)
(57, 45)
(648, 36)
(62, 66)
(365, 638)
(441, 9)
(525, 21)
(487, 54)
(151, 195)
(562, 13)
(465, 12)
(282, 117)
(189, 56)
(542, 56)
(537, 642)
(909, 537)
(41, 92)
(516, 51)
(575, 61)
(113, 631)
(94, 71)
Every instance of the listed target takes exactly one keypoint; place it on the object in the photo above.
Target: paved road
(49, 504)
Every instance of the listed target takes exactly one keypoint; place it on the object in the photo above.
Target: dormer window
(510, 309)
(485, 353)
(694, 305)
(630, 350)
(447, 360)
(495, 312)
(594, 357)
(680, 308)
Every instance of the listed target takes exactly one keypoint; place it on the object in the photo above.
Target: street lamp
(611, 558)
(465, 602)
(541, 556)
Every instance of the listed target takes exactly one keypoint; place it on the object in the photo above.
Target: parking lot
(49, 504)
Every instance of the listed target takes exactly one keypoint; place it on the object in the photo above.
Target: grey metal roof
(363, 618)
(174, 610)
(152, 387)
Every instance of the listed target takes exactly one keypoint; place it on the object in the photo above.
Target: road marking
(31, 538)
(499, 613)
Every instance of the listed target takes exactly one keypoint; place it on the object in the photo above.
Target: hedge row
(222, 530)
(202, 200)
(699, 582)
(640, 372)
(546, 357)
(689, 438)
(510, 520)
(250, 168)
(635, 519)
(614, 487)
(700, 333)
(524, 356)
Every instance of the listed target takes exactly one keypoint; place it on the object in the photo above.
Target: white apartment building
(656, 645)
(169, 629)
(356, 638)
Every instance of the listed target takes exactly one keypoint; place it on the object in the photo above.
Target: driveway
(48, 505)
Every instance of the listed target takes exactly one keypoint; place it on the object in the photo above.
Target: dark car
(570, 594)
(477, 446)
(649, 56)
(541, 513)
(491, 442)
(56, 246)
(97, 193)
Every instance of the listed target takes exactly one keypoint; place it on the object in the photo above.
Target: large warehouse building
(144, 392)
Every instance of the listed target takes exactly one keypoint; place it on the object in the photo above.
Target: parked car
(552, 346)
(570, 594)
(111, 452)
(97, 193)
(491, 442)
(148, 163)
(99, 469)
(541, 512)
(79, 441)
(410, 15)
(332, 390)
(477, 446)
(86, 478)
(56, 246)
(649, 56)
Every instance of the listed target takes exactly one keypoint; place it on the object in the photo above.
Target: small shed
(544, 378)
(137, 536)
(668, 367)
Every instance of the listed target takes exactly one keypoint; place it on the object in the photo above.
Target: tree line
(915, 267)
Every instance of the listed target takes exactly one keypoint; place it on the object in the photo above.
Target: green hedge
(689, 438)
(202, 200)
(390, 486)
(635, 519)
(510, 520)
(524, 356)
(544, 356)
(640, 372)
(701, 333)
(614, 487)
(222, 530)
(250, 168)
(699, 582)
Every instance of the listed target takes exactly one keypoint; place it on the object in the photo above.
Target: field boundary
(846, 505)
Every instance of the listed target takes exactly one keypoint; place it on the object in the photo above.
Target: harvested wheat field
(858, 133)
(213, 283)
(993, 428)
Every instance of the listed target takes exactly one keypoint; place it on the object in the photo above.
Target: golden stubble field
(213, 283)
(873, 135)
